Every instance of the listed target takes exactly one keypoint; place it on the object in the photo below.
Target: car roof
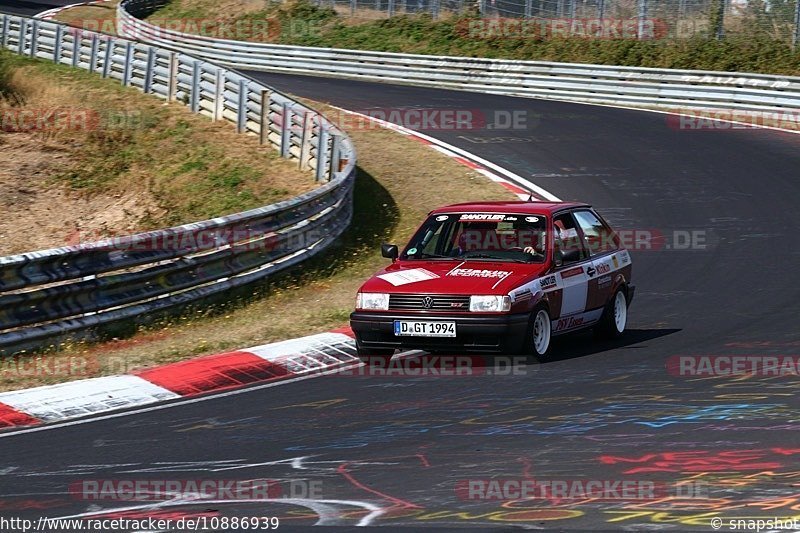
(524, 208)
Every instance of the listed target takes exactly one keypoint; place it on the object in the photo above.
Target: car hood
(452, 277)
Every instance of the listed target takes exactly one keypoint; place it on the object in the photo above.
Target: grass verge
(111, 160)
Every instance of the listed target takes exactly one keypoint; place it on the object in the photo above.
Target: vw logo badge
(427, 302)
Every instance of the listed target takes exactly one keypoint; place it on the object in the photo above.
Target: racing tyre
(615, 316)
(539, 334)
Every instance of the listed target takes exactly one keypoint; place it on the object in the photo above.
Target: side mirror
(390, 251)
(570, 256)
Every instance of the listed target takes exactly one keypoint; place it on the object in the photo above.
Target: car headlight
(489, 303)
(373, 301)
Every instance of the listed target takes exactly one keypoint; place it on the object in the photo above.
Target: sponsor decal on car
(568, 323)
(603, 268)
(478, 273)
(616, 261)
(482, 216)
(405, 277)
(603, 282)
(577, 271)
(577, 320)
(625, 257)
(524, 294)
(548, 282)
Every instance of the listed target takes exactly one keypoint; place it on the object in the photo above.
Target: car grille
(416, 302)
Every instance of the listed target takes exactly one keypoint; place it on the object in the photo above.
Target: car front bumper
(480, 333)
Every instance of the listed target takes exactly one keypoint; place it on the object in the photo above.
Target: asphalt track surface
(30, 7)
(393, 451)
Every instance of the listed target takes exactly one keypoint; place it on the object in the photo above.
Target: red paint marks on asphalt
(403, 504)
(702, 461)
(214, 373)
(10, 417)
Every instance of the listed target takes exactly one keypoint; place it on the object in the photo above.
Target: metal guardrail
(632, 86)
(52, 294)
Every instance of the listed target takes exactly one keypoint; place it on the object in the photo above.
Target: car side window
(567, 244)
(598, 237)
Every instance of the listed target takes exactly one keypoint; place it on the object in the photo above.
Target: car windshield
(480, 237)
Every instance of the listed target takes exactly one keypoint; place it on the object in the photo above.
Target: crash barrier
(70, 291)
(606, 84)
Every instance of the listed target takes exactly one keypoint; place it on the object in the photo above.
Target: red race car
(496, 277)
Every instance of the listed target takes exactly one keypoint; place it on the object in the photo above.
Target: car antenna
(530, 197)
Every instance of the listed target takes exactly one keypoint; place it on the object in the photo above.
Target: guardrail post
(528, 8)
(93, 53)
(34, 37)
(719, 20)
(336, 152)
(390, 8)
(219, 94)
(128, 67)
(108, 57)
(322, 152)
(601, 11)
(642, 18)
(58, 43)
(796, 34)
(286, 129)
(352, 7)
(23, 31)
(172, 77)
(194, 97)
(4, 31)
(76, 49)
(435, 9)
(263, 134)
(305, 141)
(241, 115)
(148, 73)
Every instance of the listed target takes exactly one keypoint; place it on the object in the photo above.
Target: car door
(571, 264)
(601, 244)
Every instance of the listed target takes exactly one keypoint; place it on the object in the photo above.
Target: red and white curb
(212, 373)
(523, 188)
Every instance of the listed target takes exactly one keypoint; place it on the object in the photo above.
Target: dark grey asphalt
(607, 411)
(29, 8)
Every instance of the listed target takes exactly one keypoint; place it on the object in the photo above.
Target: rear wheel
(615, 316)
(539, 334)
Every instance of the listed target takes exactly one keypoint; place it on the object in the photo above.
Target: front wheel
(539, 334)
(615, 317)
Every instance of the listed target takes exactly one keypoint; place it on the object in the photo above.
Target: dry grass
(399, 182)
(102, 17)
(97, 177)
